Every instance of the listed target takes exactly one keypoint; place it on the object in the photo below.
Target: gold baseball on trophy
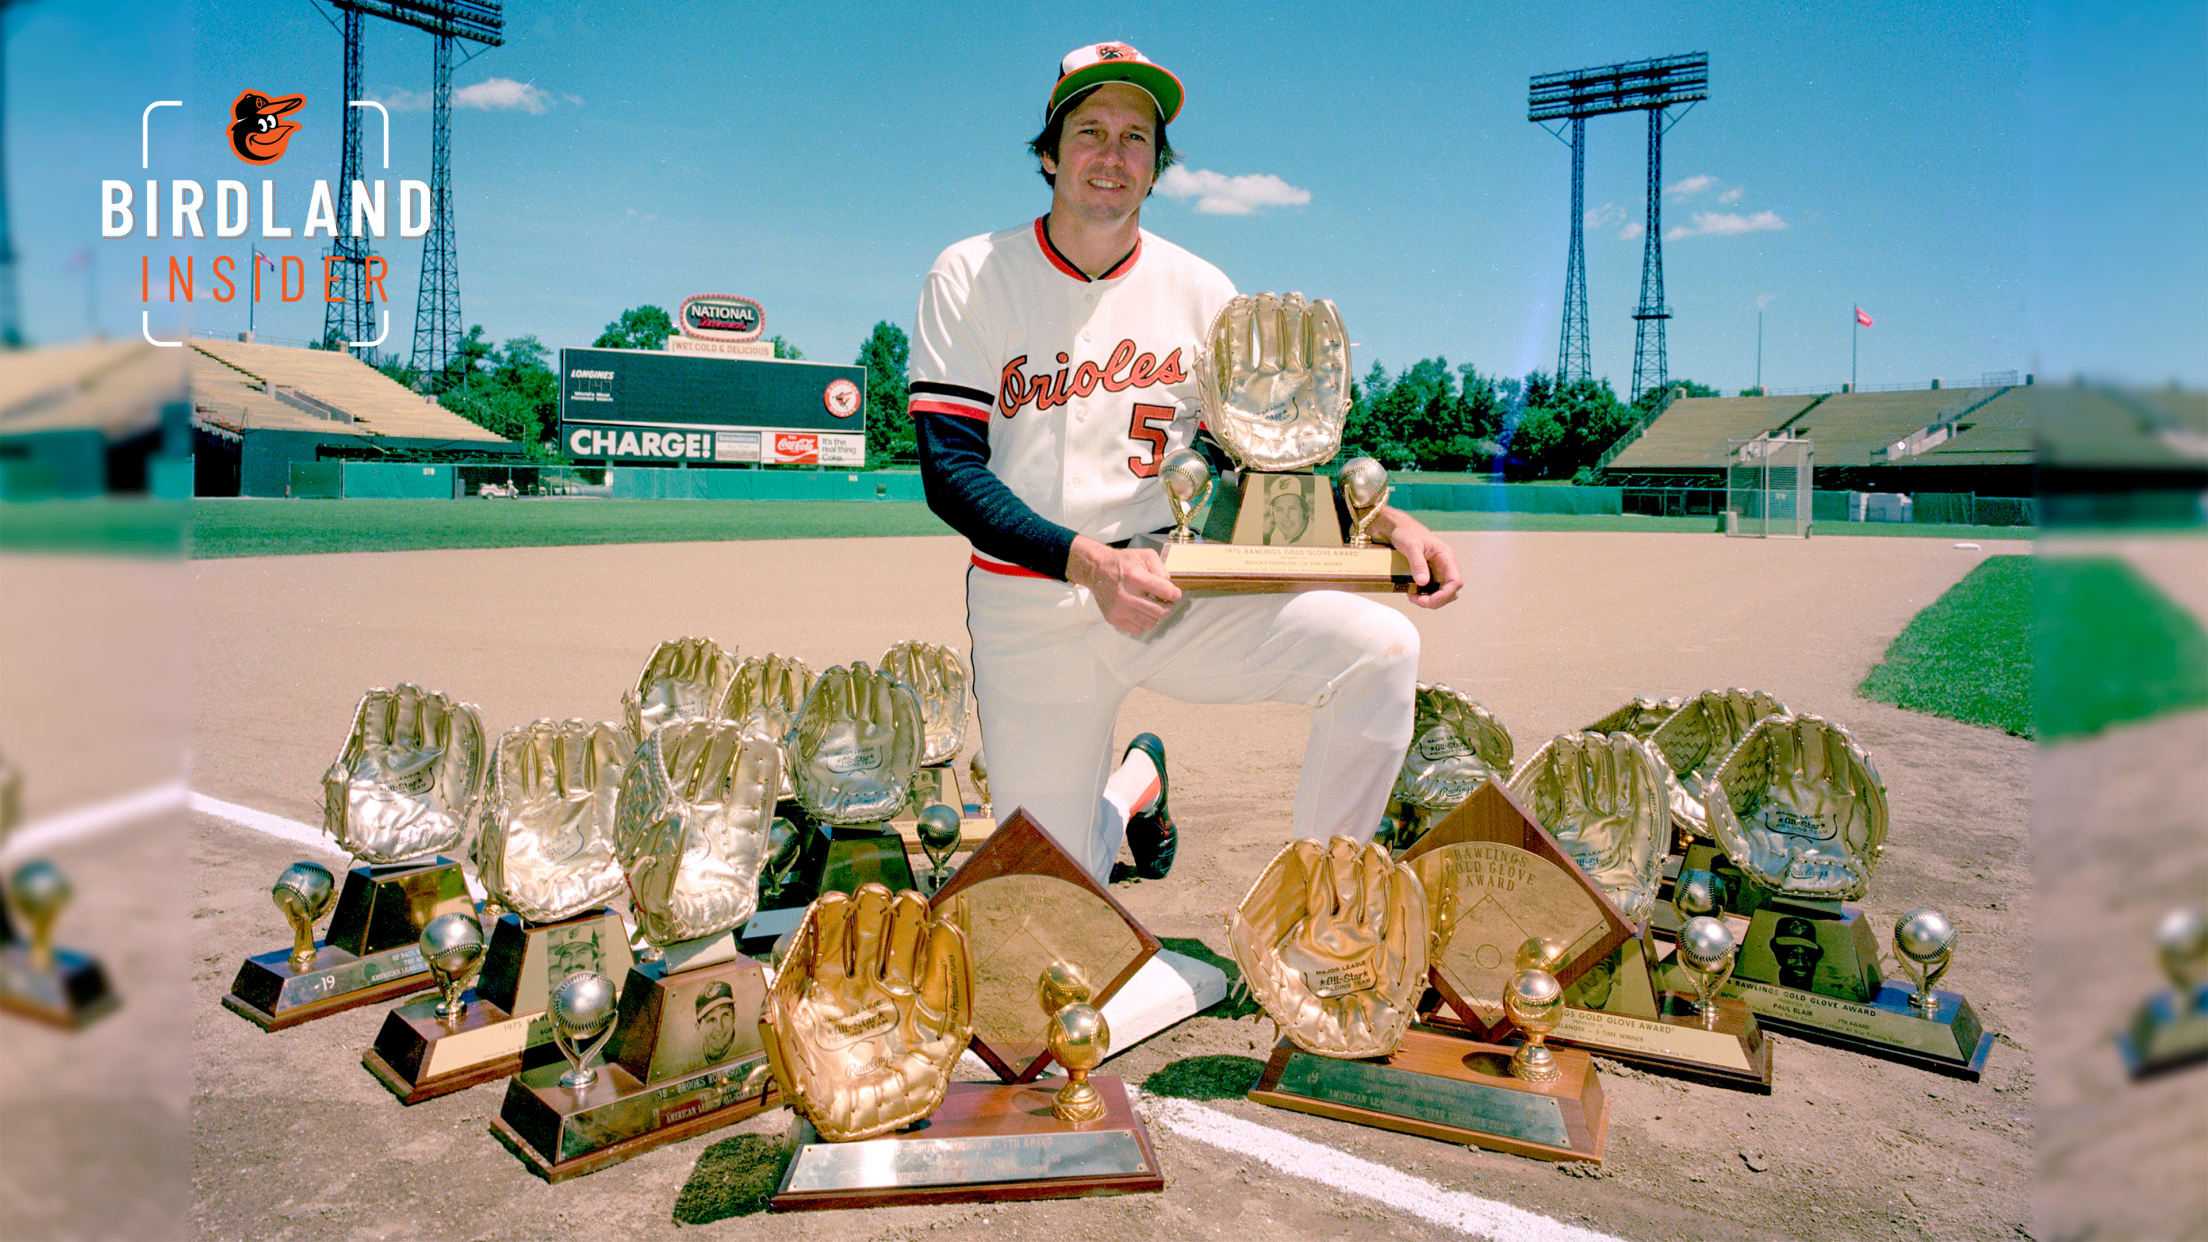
(978, 768)
(1364, 489)
(452, 944)
(582, 1021)
(1697, 893)
(1079, 1038)
(40, 890)
(1540, 953)
(1534, 1002)
(1187, 482)
(1062, 984)
(1707, 950)
(2181, 941)
(939, 832)
(1924, 944)
(303, 893)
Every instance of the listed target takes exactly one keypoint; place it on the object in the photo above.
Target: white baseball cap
(1084, 67)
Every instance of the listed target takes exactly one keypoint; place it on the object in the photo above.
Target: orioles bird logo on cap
(255, 132)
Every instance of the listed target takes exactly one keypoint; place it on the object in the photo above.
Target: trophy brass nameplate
(1024, 904)
(1824, 948)
(71, 993)
(1494, 878)
(984, 1143)
(504, 1029)
(1236, 568)
(1456, 1090)
(269, 994)
(563, 1132)
(1950, 1041)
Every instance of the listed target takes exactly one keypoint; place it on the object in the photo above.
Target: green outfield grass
(2050, 648)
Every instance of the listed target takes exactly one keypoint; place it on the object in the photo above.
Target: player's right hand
(1131, 586)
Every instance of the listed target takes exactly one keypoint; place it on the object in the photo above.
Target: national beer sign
(721, 317)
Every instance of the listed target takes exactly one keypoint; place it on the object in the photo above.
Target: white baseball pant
(1050, 675)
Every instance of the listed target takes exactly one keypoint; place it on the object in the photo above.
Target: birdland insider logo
(721, 317)
(257, 129)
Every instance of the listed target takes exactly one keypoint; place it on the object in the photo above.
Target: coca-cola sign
(721, 317)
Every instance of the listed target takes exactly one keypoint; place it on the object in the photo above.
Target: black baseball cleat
(1151, 837)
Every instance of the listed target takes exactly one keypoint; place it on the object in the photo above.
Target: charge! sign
(721, 317)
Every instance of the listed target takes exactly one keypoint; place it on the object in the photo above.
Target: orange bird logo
(256, 133)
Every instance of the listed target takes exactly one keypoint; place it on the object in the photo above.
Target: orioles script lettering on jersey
(1125, 369)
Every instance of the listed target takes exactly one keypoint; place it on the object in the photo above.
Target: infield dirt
(289, 1137)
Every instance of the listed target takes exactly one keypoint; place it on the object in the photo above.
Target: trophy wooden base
(563, 1132)
(1439, 1086)
(505, 1028)
(986, 1144)
(70, 993)
(1676, 1042)
(1245, 569)
(1950, 1040)
(2165, 1036)
(269, 994)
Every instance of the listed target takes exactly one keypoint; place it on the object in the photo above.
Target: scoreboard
(639, 405)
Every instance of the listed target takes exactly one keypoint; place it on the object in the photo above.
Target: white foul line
(88, 821)
(1338, 1170)
(262, 822)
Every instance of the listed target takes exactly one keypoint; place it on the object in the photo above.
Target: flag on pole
(263, 260)
(1862, 317)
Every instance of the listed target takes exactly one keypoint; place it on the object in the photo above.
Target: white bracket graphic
(145, 329)
(379, 336)
(385, 113)
(145, 146)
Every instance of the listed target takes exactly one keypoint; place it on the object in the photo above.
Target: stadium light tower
(11, 308)
(437, 303)
(1651, 86)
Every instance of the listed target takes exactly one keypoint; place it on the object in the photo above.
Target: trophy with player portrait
(544, 852)
(1335, 941)
(1456, 746)
(60, 987)
(403, 790)
(1273, 381)
(685, 1057)
(1604, 800)
(1801, 814)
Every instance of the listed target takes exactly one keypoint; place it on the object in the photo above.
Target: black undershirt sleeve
(961, 489)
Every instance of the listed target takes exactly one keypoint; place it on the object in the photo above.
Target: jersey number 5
(1147, 427)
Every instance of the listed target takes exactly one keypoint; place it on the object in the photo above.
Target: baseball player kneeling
(1052, 371)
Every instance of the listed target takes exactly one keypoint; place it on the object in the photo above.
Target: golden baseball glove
(686, 679)
(408, 779)
(1638, 717)
(1273, 379)
(868, 1012)
(938, 677)
(1800, 809)
(765, 694)
(1456, 745)
(1602, 796)
(692, 827)
(1697, 737)
(1332, 941)
(856, 746)
(545, 846)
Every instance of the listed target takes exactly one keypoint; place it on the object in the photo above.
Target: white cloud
(1218, 194)
(1632, 231)
(400, 99)
(1612, 216)
(1729, 196)
(500, 94)
(1690, 186)
(1726, 224)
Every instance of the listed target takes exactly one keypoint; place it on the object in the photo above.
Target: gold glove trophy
(685, 679)
(938, 678)
(1273, 381)
(867, 1016)
(1603, 798)
(1334, 941)
(764, 697)
(544, 851)
(1801, 813)
(1693, 737)
(1456, 746)
(60, 987)
(684, 1055)
(2170, 1030)
(854, 748)
(403, 790)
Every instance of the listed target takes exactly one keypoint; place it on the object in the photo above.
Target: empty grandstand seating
(1854, 429)
(113, 387)
(239, 386)
(1997, 433)
(1692, 432)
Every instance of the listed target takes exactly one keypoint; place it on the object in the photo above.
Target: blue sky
(2001, 186)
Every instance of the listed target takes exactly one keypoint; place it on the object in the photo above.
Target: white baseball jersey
(1085, 384)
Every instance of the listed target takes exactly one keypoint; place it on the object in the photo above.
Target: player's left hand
(1435, 579)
